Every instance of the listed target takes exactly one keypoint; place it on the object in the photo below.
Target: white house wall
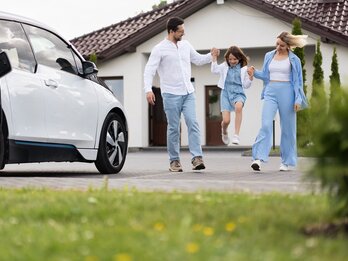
(214, 26)
(130, 67)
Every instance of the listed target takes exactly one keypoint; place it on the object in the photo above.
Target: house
(123, 50)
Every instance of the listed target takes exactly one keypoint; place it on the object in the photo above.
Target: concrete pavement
(147, 170)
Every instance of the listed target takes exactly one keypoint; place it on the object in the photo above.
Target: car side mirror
(5, 65)
(89, 67)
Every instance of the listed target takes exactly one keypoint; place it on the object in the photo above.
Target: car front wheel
(113, 145)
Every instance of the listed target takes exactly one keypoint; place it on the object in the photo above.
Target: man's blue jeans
(174, 105)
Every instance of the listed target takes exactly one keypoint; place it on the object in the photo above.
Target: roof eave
(322, 31)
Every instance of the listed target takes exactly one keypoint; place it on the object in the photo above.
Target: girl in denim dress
(234, 78)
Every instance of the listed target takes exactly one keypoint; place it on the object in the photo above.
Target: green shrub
(303, 120)
(330, 136)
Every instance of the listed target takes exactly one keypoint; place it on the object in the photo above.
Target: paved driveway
(148, 171)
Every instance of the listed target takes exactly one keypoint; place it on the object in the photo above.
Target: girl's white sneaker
(235, 139)
(225, 138)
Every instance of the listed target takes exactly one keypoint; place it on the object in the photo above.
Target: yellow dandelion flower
(122, 257)
(192, 248)
(159, 227)
(208, 231)
(230, 227)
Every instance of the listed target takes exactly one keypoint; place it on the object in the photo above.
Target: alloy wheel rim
(115, 143)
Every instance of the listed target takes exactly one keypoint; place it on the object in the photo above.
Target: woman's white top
(279, 70)
(222, 70)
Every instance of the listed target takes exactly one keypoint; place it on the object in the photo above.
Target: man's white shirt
(173, 64)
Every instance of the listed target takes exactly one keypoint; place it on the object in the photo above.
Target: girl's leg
(226, 118)
(238, 107)
(226, 109)
(224, 125)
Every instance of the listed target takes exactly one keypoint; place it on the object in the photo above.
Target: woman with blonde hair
(283, 91)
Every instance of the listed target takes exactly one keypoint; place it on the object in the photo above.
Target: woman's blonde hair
(293, 41)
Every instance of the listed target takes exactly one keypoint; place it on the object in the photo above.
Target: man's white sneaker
(225, 138)
(256, 165)
(283, 167)
(235, 139)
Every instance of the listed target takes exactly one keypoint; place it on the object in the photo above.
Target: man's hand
(215, 52)
(150, 96)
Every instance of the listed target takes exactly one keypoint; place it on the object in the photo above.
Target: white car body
(50, 108)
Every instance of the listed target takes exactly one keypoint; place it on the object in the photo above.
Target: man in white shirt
(172, 58)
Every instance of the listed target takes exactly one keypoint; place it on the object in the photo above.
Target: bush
(330, 136)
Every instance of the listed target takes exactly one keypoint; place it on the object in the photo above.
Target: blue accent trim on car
(30, 151)
(41, 144)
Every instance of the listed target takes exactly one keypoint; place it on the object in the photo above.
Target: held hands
(215, 53)
(250, 72)
(150, 97)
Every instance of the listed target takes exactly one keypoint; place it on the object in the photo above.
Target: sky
(73, 18)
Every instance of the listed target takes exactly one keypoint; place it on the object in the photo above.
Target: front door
(213, 116)
(158, 121)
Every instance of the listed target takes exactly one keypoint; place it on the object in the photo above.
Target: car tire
(2, 149)
(113, 145)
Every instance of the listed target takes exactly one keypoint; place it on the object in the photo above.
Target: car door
(22, 100)
(71, 105)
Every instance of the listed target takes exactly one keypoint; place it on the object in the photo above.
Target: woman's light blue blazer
(296, 79)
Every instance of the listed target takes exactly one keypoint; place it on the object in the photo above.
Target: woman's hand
(251, 70)
(297, 107)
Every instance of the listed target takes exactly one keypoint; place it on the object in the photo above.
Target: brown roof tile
(332, 15)
(328, 20)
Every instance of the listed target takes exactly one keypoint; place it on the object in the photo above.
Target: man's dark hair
(173, 23)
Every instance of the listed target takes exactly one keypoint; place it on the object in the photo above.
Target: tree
(330, 149)
(161, 4)
(93, 58)
(303, 130)
(318, 74)
(318, 98)
(335, 82)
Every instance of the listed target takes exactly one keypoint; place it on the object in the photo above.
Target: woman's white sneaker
(256, 165)
(283, 167)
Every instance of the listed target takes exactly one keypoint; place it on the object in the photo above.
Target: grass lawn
(130, 225)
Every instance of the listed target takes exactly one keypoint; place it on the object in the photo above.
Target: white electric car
(53, 105)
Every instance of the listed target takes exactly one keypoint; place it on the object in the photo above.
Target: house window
(116, 86)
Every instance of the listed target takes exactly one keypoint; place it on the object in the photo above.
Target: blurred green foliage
(330, 138)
